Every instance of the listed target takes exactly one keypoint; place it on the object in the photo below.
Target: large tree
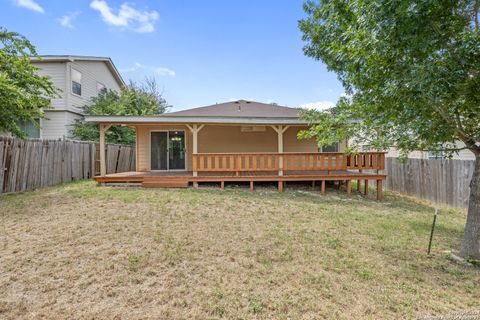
(23, 93)
(137, 99)
(411, 73)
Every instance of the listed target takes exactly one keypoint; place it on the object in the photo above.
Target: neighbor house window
(101, 88)
(76, 82)
(31, 128)
(436, 154)
(332, 148)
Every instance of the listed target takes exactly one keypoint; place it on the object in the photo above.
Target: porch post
(280, 130)
(280, 149)
(195, 144)
(103, 167)
(195, 129)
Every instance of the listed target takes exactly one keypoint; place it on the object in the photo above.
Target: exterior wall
(57, 124)
(143, 143)
(92, 72)
(226, 138)
(57, 71)
(213, 138)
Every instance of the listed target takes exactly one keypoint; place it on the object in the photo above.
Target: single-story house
(234, 141)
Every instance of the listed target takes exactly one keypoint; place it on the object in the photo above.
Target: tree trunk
(471, 238)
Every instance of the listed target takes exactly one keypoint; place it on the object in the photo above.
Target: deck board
(289, 175)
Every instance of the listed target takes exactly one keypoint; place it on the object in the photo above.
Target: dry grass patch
(79, 251)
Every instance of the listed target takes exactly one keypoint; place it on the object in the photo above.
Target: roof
(239, 108)
(70, 58)
(235, 112)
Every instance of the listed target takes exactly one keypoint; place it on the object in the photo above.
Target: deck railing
(273, 161)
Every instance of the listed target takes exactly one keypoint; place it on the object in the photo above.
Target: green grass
(82, 251)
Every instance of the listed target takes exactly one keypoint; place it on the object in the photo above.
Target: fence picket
(33, 163)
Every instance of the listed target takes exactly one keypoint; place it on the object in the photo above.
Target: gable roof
(70, 58)
(239, 109)
(235, 112)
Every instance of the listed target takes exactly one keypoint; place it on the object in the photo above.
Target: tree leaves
(142, 99)
(23, 93)
(411, 69)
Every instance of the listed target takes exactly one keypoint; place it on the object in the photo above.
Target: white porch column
(280, 130)
(103, 167)
(195, 129)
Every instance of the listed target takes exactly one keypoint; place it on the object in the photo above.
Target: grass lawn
(81, 251)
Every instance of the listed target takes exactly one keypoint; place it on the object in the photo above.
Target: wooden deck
(185, 178)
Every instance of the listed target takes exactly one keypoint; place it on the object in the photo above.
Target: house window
(100, 88)
(76, 82)
(332, 148)
(31, 128)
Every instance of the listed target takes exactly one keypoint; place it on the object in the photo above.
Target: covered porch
(364, 168)
(238, 141)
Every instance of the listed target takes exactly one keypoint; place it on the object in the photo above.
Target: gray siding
(57, 124)
(53, 125)
(57, 71)
(92, 72)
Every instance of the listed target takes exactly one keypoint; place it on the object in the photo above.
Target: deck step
(165, 184)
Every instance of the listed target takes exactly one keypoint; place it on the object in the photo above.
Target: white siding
(57, 72)
(69, 121)
(53, 125)
(92, 72)
(57, 124)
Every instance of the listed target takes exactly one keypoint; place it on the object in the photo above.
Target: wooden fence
(431, 179)
(33, 163)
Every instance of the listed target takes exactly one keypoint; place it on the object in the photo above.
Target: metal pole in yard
(436, 212)
(433, 229)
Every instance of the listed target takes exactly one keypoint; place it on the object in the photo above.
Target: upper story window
(76, 82)
(101, 88)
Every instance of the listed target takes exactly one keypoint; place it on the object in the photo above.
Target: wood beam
(365, 187)
(280, 186)
(103, 167)
(195, 129)
(280, 130)
(322, 188)
(379, 190)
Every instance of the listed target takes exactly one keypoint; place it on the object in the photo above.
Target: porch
(266, 167)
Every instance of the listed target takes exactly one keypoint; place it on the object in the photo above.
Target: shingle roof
(238, 109)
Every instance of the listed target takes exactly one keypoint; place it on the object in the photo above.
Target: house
(234, 141)
(79, 78)
(463, 154)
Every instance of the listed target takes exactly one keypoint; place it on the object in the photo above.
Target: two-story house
(79, 78)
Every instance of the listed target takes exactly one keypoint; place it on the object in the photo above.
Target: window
(101, 88)
(332, 148)
(76, 82)
(31, 129)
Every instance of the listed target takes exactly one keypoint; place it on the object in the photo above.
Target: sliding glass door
(167, 150)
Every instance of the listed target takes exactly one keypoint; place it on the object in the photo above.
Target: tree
(411, 72)
(23, 93)
(135, 100)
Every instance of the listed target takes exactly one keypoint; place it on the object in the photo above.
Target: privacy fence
(431, 179)
(33, 163)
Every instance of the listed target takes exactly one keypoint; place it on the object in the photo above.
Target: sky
(199, 52)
